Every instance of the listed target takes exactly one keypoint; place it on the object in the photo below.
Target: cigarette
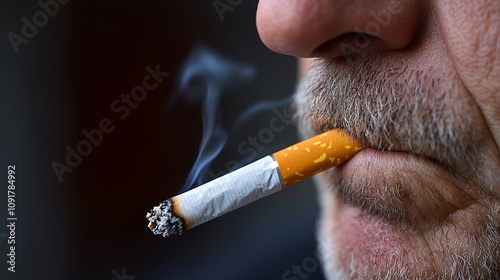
(252, 182)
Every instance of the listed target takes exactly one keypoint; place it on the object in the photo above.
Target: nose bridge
(298, 27)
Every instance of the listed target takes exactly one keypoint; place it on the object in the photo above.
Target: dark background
(92, 224)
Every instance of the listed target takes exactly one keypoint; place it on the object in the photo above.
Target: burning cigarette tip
(162, 220)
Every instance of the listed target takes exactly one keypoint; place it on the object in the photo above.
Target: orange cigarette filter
(315, 154)
(252, 182)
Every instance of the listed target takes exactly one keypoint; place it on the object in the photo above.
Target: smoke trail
(205, 75)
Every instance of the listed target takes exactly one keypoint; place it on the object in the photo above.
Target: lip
(400, 187)
(386, 207)
(363, 182)
(365, 231)
(376, 214)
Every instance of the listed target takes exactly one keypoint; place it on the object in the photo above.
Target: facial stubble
(397, 108)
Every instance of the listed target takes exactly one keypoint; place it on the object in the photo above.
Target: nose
(306, 28)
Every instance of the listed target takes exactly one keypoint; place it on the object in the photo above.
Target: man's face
(418, 83)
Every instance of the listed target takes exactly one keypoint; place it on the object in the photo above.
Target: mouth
(415, 195)
(387, 150)
(401, 187)
(388, 209)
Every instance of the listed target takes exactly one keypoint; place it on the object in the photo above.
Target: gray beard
(413, 113)
(483, 262)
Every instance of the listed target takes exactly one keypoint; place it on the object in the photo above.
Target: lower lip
(372, 155)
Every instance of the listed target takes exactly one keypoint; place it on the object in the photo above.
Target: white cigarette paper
(252, 182)
(226, 193)
(215, 198)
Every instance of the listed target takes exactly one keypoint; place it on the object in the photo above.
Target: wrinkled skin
(418, 83)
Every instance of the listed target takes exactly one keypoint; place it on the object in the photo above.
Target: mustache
(390, 107)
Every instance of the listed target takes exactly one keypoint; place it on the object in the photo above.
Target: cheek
(471, 31)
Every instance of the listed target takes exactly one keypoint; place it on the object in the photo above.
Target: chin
(354, 245)
(358, 243)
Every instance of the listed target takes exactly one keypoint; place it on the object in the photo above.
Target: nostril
(345, 44)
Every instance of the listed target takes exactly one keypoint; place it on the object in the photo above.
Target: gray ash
(163, 221)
